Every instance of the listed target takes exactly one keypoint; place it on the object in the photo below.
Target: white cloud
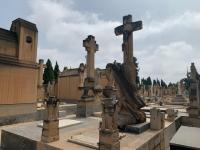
(164, 48)
(168, 62)
(64, 29)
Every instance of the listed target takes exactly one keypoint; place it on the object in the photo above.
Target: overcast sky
(165, 47)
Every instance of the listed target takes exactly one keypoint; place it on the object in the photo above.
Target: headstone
(50, 130)
(124, 77)
(127, 30)
(108, 130)
(157, 119)
(194, 93)
(86, 105)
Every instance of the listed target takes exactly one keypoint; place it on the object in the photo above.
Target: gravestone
(108, 130)
(86, 105)
(123, 77)
(157, 119)
(50, 130)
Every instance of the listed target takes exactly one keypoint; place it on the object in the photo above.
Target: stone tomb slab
(64, 123)
(186, 138)
(138, 128)
(91, 142)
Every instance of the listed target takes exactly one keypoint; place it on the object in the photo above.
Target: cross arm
(129, 27)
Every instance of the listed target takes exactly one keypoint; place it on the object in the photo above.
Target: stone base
(12, 141)
(86, 107)
(138, 128)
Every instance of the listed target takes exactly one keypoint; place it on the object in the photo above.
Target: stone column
(86, 105)
(194, 97)
(50, 131)
(91, 47)
(40, 73)
(108, 131)
(157, 119)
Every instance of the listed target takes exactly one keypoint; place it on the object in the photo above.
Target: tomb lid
(186, 137)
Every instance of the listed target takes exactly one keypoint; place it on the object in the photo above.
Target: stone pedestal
(85, 107)
(50, 130)
(108, 132)
(157, 119)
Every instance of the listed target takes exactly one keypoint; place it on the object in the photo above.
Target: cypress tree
(56, 71)
(137, 70)
(48, 75)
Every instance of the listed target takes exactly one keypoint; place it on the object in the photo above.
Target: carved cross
(127, 30)
(91, 47)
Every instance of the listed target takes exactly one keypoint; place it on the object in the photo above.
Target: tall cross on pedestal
(127, 30)
(91, 47)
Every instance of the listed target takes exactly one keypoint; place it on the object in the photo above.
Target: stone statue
(123, 77)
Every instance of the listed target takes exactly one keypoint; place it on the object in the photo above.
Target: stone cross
(91, 47)
(127, 30)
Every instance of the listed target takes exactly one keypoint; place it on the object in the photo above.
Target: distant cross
(91, 47)
(127, 30)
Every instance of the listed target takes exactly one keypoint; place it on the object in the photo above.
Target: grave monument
(108, 132)
(50, 130)
(86, 105)
(123, 76)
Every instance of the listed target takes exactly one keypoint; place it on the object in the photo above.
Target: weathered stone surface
(138, 128)
(123, 77)
(157, 119)
(171, 114)
(50, 130)
(108, 130)
(194, 93)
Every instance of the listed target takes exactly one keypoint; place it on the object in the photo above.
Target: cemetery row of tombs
(88, 108)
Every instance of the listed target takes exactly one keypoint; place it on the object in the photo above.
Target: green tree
(154, 82)
(158, 82)
(137, 70)
(149, 82)
(48, 75)
(56, 71)
(163, 84)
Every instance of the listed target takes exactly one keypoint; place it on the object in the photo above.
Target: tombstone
(194, 93)
(171, 114)
(86, 105)
(157, 119)
(108, 130)
(124, 77)
(50, 130)
(127, 30)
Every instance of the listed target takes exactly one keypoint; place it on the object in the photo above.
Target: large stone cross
(91, 47)
(127, 30)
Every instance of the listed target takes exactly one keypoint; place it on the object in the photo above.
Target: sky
(165, 47)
